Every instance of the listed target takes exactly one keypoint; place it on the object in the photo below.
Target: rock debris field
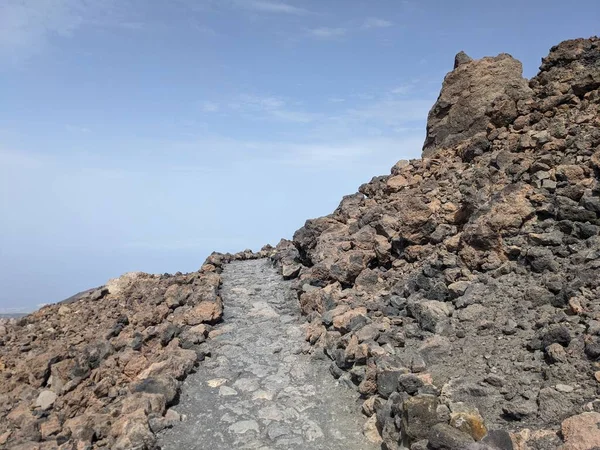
(259, 390)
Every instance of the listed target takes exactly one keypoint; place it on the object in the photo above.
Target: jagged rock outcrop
(474, 94)
(458, 294)
(100, 369)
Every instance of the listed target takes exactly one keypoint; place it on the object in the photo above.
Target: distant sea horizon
(13, 315)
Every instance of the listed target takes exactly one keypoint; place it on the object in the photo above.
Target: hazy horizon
(142, 137)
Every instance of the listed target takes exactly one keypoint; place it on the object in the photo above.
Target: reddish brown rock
(205, 312)
(344, 322)
(581, 432)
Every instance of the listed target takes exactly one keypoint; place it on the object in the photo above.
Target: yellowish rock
(371, 432)
(397, 182)
(469, 422)
(216, 382)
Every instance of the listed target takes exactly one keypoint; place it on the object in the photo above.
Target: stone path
(259, 391)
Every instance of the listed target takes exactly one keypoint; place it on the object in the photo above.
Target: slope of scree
(459, 294)
(100, 369)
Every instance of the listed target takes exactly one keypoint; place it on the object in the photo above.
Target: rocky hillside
(100, 369)
(459, 294)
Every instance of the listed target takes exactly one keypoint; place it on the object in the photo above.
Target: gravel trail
(259, 391)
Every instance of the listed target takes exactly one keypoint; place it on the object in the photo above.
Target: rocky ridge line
(458, 294)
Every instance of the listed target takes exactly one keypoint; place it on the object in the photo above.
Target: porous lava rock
(469, 276)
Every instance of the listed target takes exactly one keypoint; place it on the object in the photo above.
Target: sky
(142, 135)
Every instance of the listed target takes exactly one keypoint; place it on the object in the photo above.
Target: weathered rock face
(100, 369)
(467, 280)
(474, 94)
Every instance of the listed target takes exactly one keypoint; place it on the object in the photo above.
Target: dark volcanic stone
(592, 347)
(419, 414)
(409, 383)
(556, 334)
(498, 439)
(444, 437)
(387, 381)
(171, 332)
(163, 386)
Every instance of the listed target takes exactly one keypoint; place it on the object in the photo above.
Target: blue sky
(142, 135)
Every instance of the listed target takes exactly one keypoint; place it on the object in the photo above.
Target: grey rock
(419, 414)
(554, 405)
(519, 410)
(409, 383)
(499, 439)
(243, 426)
(45, 400)
(163, 385)
(432, 315)
(461, 58)
(444, 437)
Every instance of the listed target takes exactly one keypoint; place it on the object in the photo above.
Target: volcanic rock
(480, 259)
(97, 370)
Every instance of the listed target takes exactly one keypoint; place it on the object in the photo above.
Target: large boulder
(468, 92)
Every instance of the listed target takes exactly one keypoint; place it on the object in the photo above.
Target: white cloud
(28, 26)
(205, 30)
(319, 153)
(327, 33)
(390, 112)
(191, 243)
(15, 311)
(339, 32)
(330, 152)
(373, 22)
(274, 7)
(77, 128)
(107, 173)
(293, 116)
(195, 169)
(210, 107)
(263, 107)
(261, 102)
(402, 89)
(24, 25)
(255, 6)
(348, 153)
(134, 26)
(384, 115)
(387, 113)
(11, 159)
